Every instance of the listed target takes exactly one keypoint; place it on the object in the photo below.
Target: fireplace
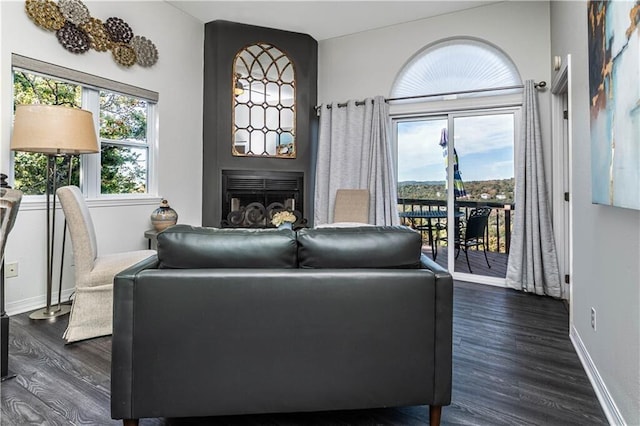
(251, 197)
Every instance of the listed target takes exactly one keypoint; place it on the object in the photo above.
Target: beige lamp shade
(54, 129)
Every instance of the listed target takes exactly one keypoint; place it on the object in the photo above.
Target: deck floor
(497, 261)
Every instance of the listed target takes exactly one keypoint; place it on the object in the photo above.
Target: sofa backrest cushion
(189, 247)
(359, 247)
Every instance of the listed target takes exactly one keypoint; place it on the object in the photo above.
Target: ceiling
(321, 19)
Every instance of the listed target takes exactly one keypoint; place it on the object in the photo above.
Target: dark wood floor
(513, 365)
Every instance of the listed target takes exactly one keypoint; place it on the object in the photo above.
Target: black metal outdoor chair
(472, 233)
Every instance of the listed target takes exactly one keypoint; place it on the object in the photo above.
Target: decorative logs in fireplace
(256, 215)
(251, 198)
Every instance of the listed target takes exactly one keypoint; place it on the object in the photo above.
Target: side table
(152, 236)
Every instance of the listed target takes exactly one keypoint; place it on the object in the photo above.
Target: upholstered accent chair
(351, 205)
(9, 205)
(92, 308)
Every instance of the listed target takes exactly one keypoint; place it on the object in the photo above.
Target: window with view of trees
(29, 169)
(123, 135)
(125, 143)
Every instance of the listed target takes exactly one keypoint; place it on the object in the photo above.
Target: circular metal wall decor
(146, 52)
(77, 31)
(124, 54)
(45, 14)
(118, 30)
(72, 38)
(98, 38)
(74, 11)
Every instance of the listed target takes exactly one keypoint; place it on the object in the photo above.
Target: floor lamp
(56, 131)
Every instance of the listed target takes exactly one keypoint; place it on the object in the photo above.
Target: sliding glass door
(456, 177)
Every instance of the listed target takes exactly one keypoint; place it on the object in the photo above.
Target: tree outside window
(30, 169)
(123, 134)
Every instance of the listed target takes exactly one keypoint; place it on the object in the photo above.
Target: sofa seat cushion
(190, 247)
(359, 247)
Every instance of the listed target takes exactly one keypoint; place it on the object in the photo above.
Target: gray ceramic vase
(164, 216)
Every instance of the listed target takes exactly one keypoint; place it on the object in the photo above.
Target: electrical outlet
(593, 318)
(11, 269)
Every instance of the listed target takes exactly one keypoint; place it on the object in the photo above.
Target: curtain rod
(540, 85)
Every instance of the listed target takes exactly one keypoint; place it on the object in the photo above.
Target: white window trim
(404, 109)
(87, 80)
(37, 202)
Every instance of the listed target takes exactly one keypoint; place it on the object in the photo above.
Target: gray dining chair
(351, 206)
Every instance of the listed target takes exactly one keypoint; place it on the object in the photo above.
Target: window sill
(38, 202)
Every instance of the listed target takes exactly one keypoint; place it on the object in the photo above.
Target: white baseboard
(34, 303)
(480, 279)
(606, 401)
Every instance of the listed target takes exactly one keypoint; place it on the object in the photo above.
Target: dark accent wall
(222, 40)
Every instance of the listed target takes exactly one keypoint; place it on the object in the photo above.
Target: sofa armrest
(427, 263)
(121, 353)
(444, 330)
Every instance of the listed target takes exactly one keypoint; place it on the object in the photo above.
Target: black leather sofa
(227, 322)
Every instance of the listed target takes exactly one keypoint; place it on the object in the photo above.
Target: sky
(484, 145)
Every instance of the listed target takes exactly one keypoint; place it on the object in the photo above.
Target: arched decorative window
(264, 106)
(465, 67)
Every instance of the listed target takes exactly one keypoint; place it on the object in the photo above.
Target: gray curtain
(533, 262)
(354, 152)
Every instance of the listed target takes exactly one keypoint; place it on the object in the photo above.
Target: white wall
(606, 246)
(177, 77)
(366, 64)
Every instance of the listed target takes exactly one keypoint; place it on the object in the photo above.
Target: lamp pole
(52, 183)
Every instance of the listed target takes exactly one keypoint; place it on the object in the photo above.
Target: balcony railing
(498, 230)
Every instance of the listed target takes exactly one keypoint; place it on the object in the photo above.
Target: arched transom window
(457, 66)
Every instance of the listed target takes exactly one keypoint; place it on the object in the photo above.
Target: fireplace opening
(251, 198)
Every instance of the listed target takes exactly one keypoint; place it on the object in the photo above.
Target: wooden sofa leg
(129, 422)
(435, 411)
